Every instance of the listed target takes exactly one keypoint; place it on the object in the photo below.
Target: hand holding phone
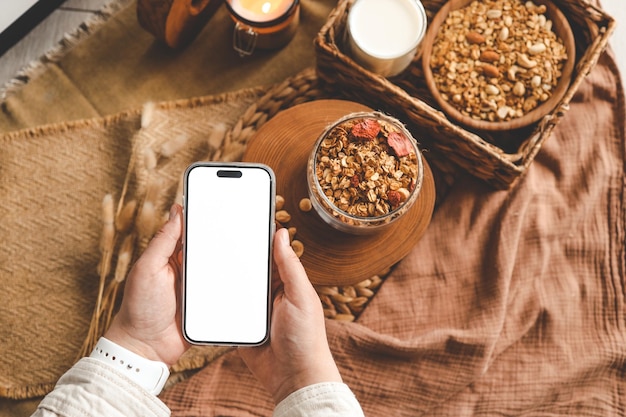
(297, 354)
(227, 253)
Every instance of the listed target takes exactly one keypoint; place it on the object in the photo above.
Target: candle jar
(263, 24)
(383, 36)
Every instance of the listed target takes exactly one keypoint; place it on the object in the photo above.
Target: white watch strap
(151, 375)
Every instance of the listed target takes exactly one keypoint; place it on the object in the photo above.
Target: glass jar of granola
(365, 171)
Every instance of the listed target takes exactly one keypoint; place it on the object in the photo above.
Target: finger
(290, 270)
(164, 243)
(276, 284)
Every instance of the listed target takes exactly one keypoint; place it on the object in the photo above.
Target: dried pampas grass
(172, 146)
(107, 246)
(126, 216)
(147, 114)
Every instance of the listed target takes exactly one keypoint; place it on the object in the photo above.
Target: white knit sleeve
(327, 399)
(92, 388)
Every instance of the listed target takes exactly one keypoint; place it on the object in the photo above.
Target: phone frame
(272, 229)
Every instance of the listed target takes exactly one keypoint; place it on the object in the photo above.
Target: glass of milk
(383, 35)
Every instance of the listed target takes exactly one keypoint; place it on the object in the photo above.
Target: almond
(475, 38)
(489, 56)
(282, 216)
(298, 247)
(305, 204)
(490, 71)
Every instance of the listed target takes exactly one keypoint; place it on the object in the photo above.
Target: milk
(384, 34)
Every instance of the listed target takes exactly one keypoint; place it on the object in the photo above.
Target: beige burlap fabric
(55, 179)
(52, 182)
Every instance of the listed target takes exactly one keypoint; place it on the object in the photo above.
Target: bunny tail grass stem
(107, 244)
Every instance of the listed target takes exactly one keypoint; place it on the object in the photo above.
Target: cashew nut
(537, 48)
(526, 62)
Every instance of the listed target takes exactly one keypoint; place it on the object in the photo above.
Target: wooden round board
(331, 257)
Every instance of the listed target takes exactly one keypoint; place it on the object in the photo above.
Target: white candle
(264, 24)
(261, 11)
(384, 34)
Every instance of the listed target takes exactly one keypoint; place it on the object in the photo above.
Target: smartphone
(227, 253)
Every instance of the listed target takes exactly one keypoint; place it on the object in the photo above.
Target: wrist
(117, 335)
(149, 374)
(307, 378)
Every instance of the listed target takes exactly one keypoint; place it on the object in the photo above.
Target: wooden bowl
(560, 26)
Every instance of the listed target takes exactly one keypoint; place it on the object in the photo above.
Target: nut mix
(283, 217)
(366, 167)
(497, 60)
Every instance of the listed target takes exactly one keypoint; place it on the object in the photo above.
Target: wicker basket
(500, 159)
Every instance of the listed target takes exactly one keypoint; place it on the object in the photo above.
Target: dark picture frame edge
(26, 22)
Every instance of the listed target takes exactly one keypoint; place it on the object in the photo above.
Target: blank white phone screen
(227, 245)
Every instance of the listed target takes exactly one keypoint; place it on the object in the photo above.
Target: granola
(366, 167)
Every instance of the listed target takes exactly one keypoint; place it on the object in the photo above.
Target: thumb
(291, 272)
(165, 240)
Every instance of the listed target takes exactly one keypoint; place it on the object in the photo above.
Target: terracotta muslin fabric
(511, 304)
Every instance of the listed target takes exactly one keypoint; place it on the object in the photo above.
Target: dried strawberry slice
(366, 129)
(394, 198)
(400, 144)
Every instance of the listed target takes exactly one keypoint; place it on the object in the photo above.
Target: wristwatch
(149, 374)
